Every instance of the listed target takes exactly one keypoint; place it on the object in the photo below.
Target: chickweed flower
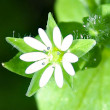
(54, 54)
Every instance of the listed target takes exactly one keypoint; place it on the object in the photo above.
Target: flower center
(55, 55)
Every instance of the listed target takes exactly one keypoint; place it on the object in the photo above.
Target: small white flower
(53, 54)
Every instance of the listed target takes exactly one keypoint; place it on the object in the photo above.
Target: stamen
(58, 53)
(43, 63)
(53, 66)
(44, 51)
(48, 48)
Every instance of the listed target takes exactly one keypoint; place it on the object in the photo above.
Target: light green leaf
(17, 66)
(91, 59)
(91, 90)
(82, 46)
(19, 44)
(70, 10)
(34, 84)
(105, 9)
(50, 26)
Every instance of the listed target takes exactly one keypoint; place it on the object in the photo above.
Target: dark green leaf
(74, 28)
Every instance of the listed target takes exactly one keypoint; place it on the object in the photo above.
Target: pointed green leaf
(90, 59)
(34, 84)
(82, 46)
(19, 44)
(17, 66)
(50, 26)
(91, 90)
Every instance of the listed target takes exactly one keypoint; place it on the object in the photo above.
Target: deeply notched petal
(58, 76)
(68, 68)
(46, 76)
(33, 56)
(44, 37)
(57, 37)
(70, 57)
(67, 41)
(34, 43)
(36, 66)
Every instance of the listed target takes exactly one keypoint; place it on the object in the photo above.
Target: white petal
(58, 76)
(70, 57)
(44, 37)
(36, 66)
(34, 43)
(57, 37)
(67, 42)
(46, 76)
(33, 56)
(68, 68)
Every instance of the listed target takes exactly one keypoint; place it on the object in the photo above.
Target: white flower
(53, 54)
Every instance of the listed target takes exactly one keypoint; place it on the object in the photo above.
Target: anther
(43, 63)
(44, 51)
(48, 48)
(58, 53)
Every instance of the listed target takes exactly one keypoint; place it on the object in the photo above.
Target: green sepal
(81, 46)
(34, 84)
(17, 66)
(19, 44)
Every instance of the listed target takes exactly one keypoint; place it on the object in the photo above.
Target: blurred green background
(22, 17)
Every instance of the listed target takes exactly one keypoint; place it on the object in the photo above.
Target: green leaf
(91, 59)
(19, 44)
(70, 10)
(34, 85)
(17, 66)
(74, 28)
(105, 9)
(50, 26)
(82, 46)
(91, 90)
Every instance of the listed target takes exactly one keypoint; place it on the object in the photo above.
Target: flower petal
(58, 76)
(57, 37)
(36, 66)
(33, 56)
(34, 43)
(44, 37)
(68, 68)
(67, 42)
(46, 76)
(70, 57)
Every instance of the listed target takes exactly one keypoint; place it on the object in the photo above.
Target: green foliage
(70, 10)
(89, 23)
(50, 26)
(91, 90)
(82, 46)
(34, 84)
(17, 66)
(79, 47)
(19, 44)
